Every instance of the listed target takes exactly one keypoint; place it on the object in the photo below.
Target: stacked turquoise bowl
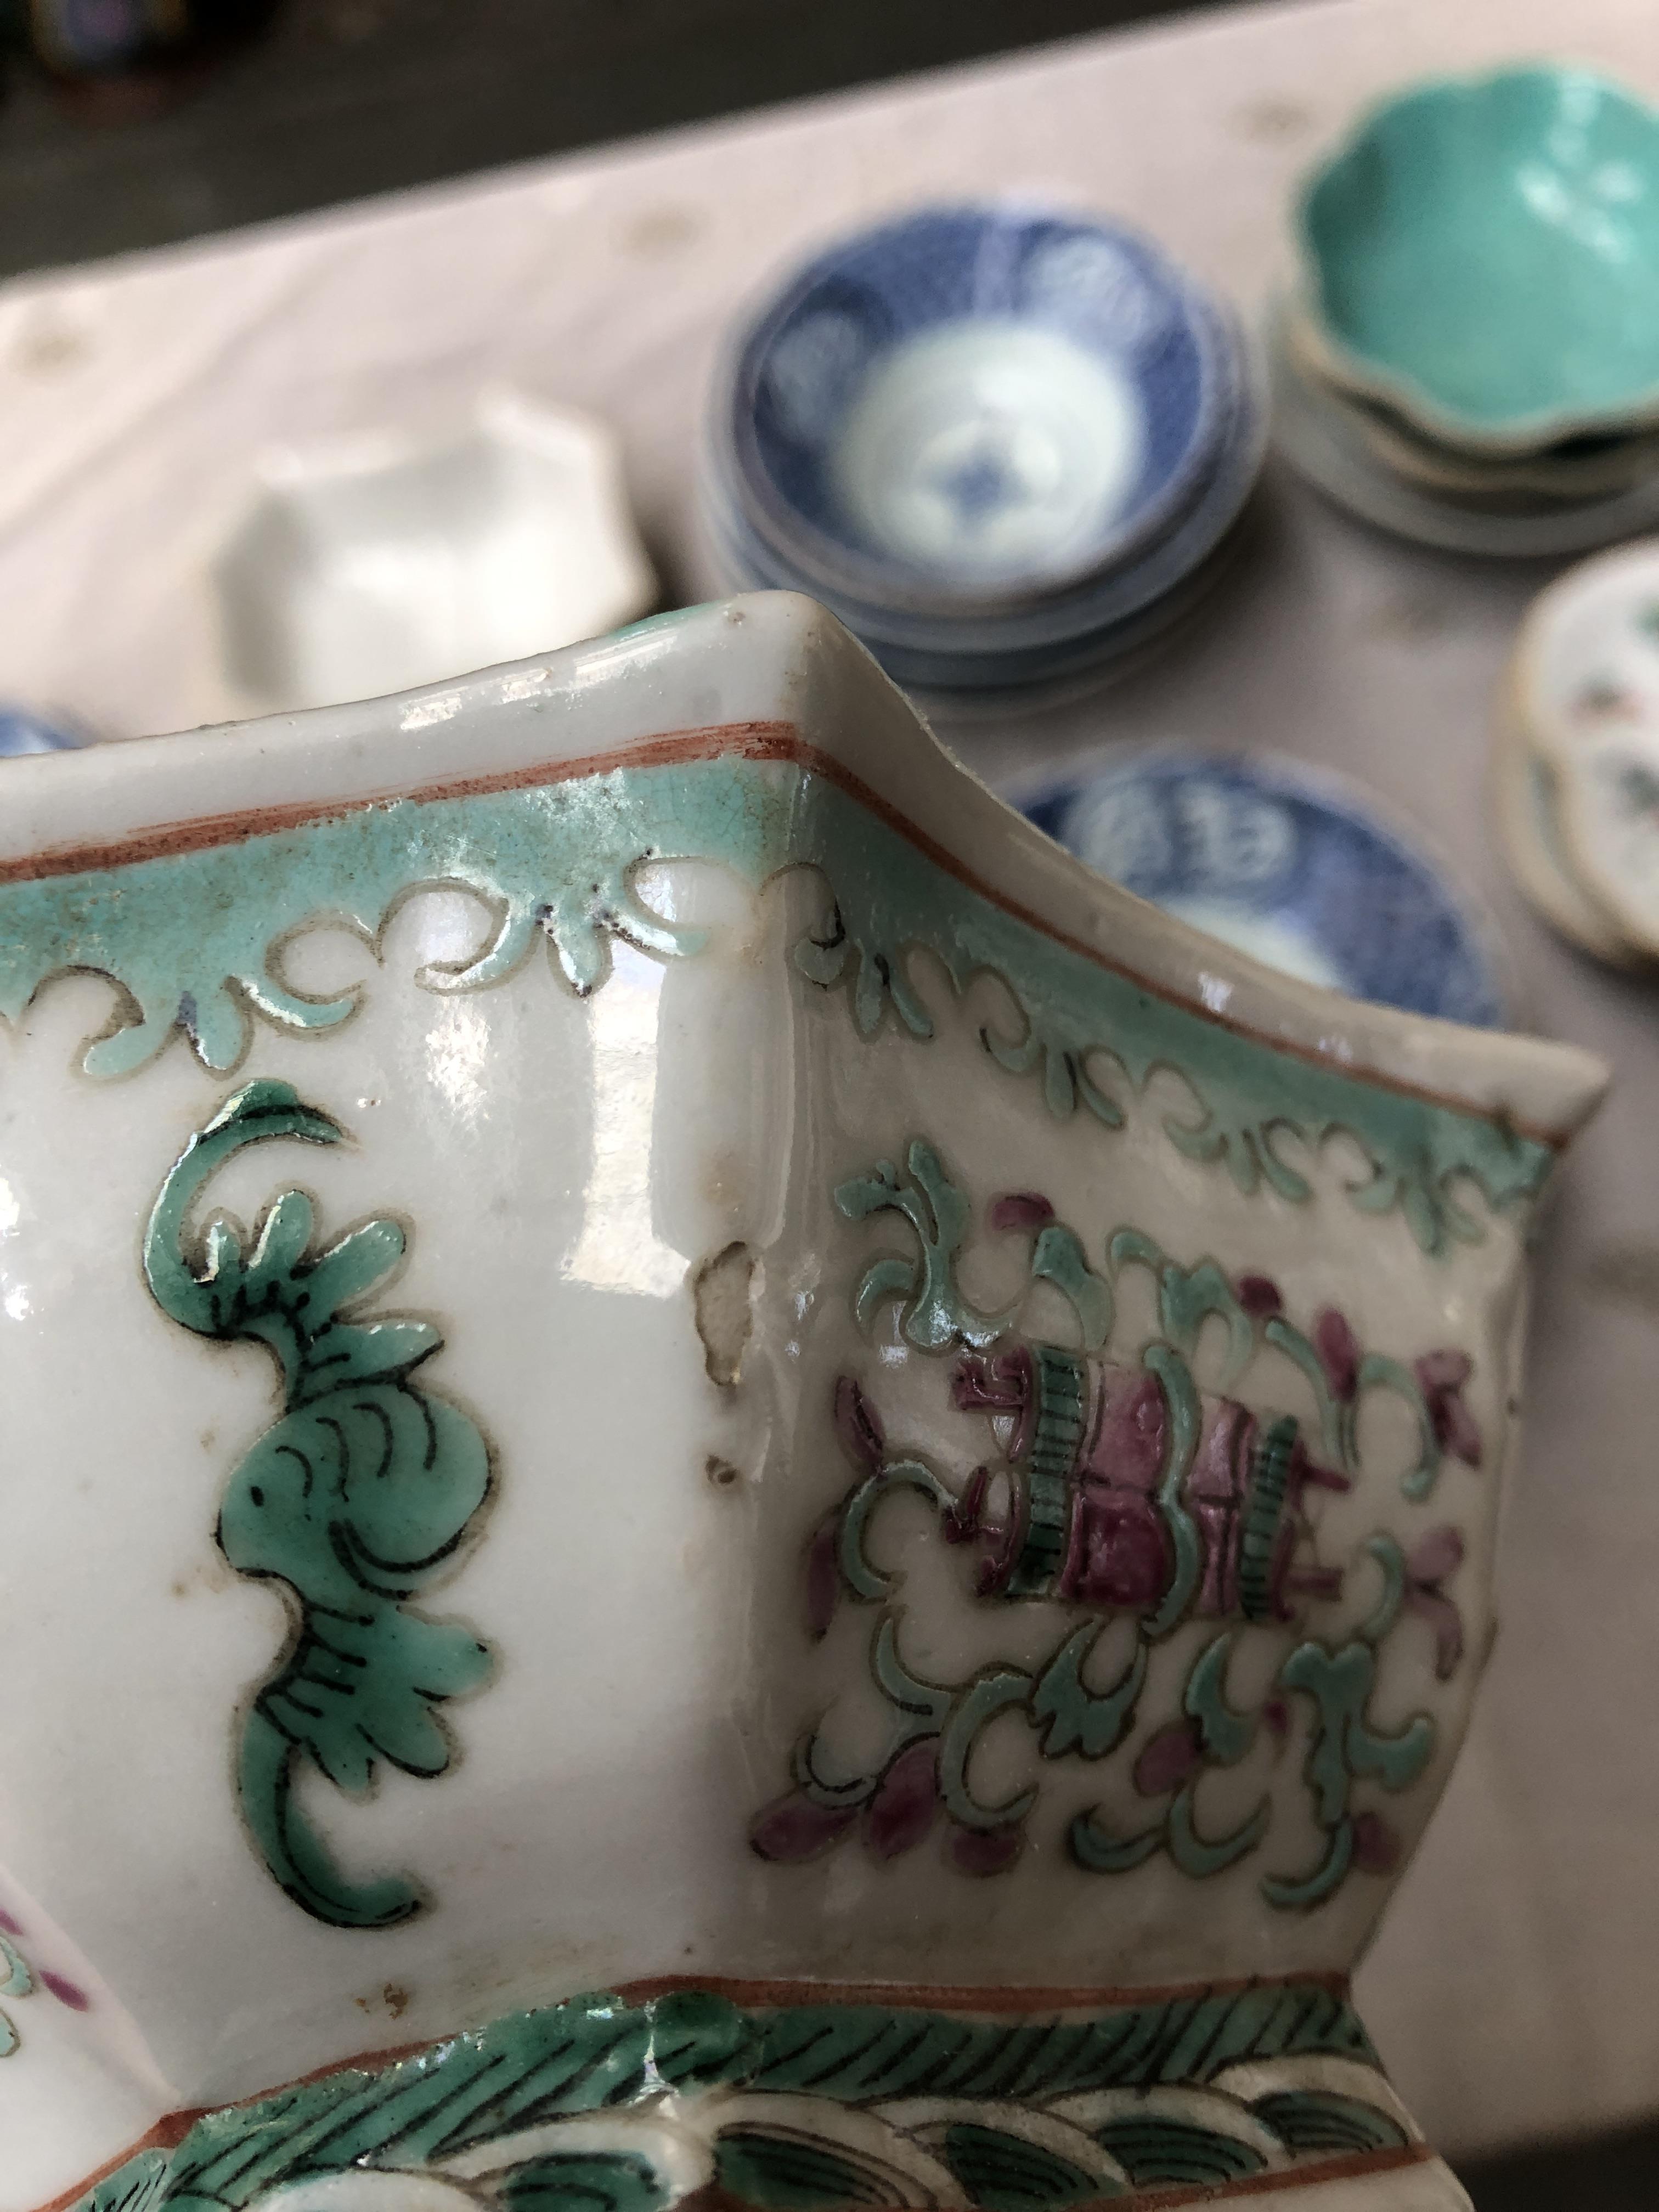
(1472, 358)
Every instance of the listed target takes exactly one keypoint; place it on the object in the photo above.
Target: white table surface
(1513, 1989)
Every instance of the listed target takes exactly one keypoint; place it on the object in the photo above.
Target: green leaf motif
(515, 2078)
(357, 1499)
(1156, 2148)
(1072, 1716)
(609, 2181)
(141, 2185)
(936, 1315)
(780, 2173)
(1057, 1258)
(1345, 1748)
(1313, 2120)
(1006, 2173)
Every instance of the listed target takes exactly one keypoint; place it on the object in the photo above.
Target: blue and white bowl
(975, 403)
(1292, 866)
(988, 438)
(1059, 619)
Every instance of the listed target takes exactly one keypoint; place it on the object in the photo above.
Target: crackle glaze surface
(672, 1358)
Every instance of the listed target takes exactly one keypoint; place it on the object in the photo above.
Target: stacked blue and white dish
(1005, 446)
(1301, 869)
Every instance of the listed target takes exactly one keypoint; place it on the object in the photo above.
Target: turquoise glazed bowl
(1483, 253)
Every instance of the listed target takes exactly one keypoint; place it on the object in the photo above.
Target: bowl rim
(1343, 364)
(802, 690)
(1524, 672)
(1540, 870)
(1311, 431)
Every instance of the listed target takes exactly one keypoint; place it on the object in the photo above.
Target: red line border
(767, 741)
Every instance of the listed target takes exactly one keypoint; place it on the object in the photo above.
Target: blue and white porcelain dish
(1291, 866)
(951, 673)
(1060, 619)
(974, 405)
(22, 730)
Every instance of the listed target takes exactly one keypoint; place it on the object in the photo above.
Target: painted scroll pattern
(196, 941)
(1117, 1488)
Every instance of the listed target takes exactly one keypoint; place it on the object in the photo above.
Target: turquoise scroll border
(194, 939)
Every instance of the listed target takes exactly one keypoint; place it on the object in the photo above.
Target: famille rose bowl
(722, 1485)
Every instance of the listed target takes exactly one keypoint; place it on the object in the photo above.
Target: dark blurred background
(242, 110)
(127, 123)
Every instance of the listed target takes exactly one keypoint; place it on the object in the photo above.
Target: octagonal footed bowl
(1483, 253)
(650, 1349)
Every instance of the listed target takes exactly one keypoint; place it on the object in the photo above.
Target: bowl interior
(1489, 251)
(987, 399)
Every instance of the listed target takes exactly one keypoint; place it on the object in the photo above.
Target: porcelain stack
(1007, 447)
(1471, 358)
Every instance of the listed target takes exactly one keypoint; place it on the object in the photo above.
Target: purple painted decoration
(1440, 1377)
(1168, 1759)
(797, 1827)
(1020, 1209)
(858, 1424)
(985, 1850)
(1339, 1352)
(902, 1811)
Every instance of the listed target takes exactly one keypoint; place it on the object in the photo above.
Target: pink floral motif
(1168, 1758)
(858, 1424)
(985, 1850)
(798, 1828)
(1376, 1846)
(896, 1816)
(1440, 1553)
(1338, 1348)
(22, 1977)
(1440, 1377)
(1260, 1297)
(902, 1812)
(1020, 1209)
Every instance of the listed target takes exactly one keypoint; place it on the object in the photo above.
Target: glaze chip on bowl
(743, 1492)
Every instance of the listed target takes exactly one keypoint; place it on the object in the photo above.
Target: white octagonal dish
(373, 563)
